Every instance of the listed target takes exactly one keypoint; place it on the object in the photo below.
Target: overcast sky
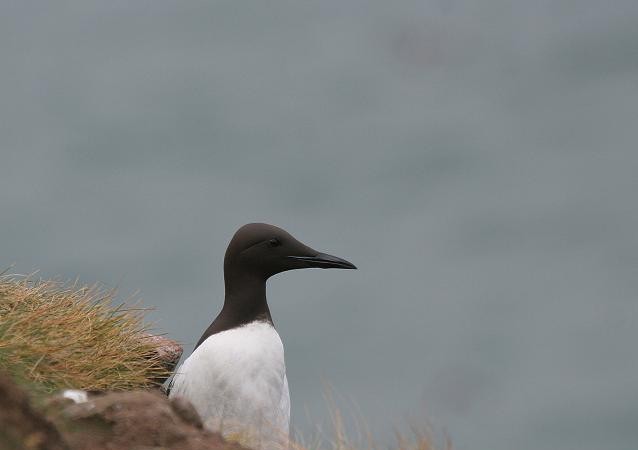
(476, 160)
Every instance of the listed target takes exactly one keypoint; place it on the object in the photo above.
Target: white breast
(236, 380)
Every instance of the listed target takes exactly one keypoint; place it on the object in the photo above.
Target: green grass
(57, 335)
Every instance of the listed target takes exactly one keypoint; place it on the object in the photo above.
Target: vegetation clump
(56, 335)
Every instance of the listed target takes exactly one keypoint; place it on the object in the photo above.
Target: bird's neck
(244, 302)
(245, 299)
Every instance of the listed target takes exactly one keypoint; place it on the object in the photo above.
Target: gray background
(476, 160)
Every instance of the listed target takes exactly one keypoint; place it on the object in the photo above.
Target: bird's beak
(324, 261)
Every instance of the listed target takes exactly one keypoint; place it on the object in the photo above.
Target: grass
(418, 438)
(57, 335)
(341, 437)
(346, 432)
(353, 433)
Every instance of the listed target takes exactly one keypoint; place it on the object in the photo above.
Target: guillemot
(236, 376)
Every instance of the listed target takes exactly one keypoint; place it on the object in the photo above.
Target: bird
(236, 376)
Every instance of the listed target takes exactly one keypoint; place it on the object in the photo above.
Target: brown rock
(110, 421)
(22, 427)
(168, 351)
(136, 420)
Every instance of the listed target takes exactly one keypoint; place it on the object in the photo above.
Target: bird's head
(264, 250)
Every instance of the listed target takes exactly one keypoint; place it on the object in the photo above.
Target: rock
(21, 426)
(135, 420)
(168, 352)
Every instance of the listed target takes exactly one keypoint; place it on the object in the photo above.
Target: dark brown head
(262, 250)
(256, 252)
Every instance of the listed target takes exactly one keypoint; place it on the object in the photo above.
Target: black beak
(324, 261)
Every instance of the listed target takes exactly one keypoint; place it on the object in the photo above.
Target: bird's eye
(274, 242)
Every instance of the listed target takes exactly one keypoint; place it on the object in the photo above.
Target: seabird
(236, 376)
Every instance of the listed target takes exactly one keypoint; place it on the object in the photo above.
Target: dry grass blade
(68, 336)
(340, 435)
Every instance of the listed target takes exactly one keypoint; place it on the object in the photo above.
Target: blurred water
(477, 161)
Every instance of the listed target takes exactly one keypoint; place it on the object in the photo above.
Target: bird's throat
(244, 302)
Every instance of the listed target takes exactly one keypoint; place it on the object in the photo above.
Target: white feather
(236, 380)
